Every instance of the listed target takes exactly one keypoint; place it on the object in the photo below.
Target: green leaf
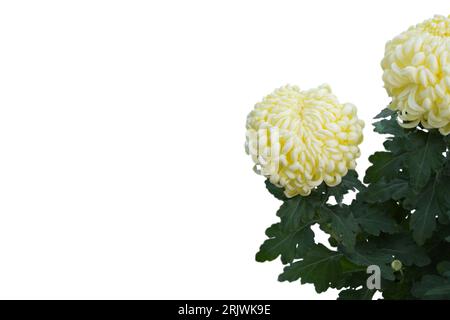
(411, 199)
(344, 226)
(423, 220)
(444, 268)
(355, 277)
(356, 294)
(397, 145)
(447, 140)
(442, 234)
(275, 191)
(425, 157)
(446, 170)
(382, 190)
(366, 254)
(295, 212)
(349, 267)
(432, 202)
(403, 248)
(396, 290)
(432, 287)
(386, 112)
(373, 219)
(384, 164)
(421, 151)
(350, 182)
(320, 267)
(389, 126)
(442, 290)
(444, 195)
(285, 244)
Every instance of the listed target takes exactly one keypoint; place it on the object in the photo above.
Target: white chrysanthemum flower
(298, 139)
(416, 75)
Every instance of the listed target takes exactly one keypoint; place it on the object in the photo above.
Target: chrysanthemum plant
(306, 144)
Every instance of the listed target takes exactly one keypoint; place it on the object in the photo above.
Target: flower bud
(396, 265)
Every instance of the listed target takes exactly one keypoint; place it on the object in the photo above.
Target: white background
(122, 164)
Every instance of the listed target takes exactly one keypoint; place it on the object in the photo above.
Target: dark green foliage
(397, 290)
(367, 254)
(319, 266)
(295, 212)
(403, 213)
(444, 268)
(386, 113)
(275, 191)
(429, 205)
(373, 219)
(425, 157)
(382, 191)
(356, 294)
(350, 182)
(344, 227)
(389, 124)
(384, 165)
(285, 244)
(432, 287)
(401, 246)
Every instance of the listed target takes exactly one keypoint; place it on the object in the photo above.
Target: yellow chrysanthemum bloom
(416, 75)
(298, 139)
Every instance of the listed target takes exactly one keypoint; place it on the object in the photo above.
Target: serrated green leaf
(344, 226)
(411, 200)
(382, 190)
(295, 212)
(349, 267)
(288, 245)
(397, 145)
(366, 254)
(384, 164)
(386, 112)
(432, 287)
(356, 294)
(432, 202)
(403, 248)
(275, 191)
(425, 157)
(373, 219)
(389, 126)
(350, 182)
(320, 267)
(355, 276)
(423, 220)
